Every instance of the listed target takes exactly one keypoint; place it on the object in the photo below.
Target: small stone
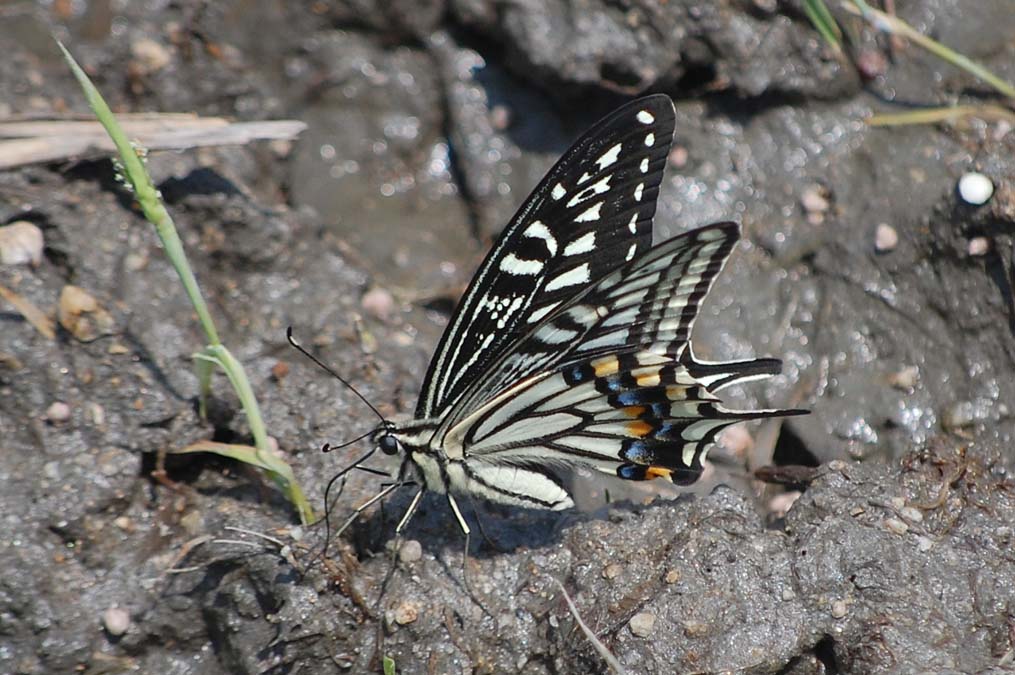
(788, 594)
(410, 552)
(407, 612)
(978, 246)
(116, 621)
(837, 465)
(780, 504)
(911, 514)
(378, 302)
(117, 349)
(672, 577)
(135, 261)
(838, 609)
(924, 544)
(98, 414)
(871, 63)
(885, 238)
(694, 629)
(975, 188)
(612, 571)
(150, 55)
(21, 243)
(81, 315)
(58, 412)
(814, 200)
(905, 379)
(641, 624)
(279, 370)
(895, 525)
(678, 157)
(124, 523)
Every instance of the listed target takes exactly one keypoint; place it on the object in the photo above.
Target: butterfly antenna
(301, 350)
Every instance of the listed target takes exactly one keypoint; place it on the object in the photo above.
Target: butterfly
(571, 347)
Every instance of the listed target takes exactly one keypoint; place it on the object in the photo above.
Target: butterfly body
(571, 347)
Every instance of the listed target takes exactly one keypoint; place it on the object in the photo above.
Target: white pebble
(838, 609)
(58, 412)
(116, 621)
(885, 238)
(978, 246)
(642, 623)
(895, 525)
(21, 243)
(975, 188)
(411, 551)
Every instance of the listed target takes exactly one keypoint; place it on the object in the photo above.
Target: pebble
(378, 302)
(612, 571)
(406, 612)
(975, 188)
(642, 623)
(912, 514)
(978, 246)
(815, 204)
(672, 577)
(895, 525)
(81, 315)
(21, 243)
(838, 609)
(58, 412)
(279, 370)
(905, 379)
(410, 552)
(116, 621)
(885, 238)
(780, 504)
(151, 55)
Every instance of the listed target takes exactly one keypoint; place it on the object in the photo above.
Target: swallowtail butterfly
(571, 346)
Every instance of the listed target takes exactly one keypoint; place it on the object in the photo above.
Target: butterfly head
(384, 439)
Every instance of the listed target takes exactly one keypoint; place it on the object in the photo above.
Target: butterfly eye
(388, 444)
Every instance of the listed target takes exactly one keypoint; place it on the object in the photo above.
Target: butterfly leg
(366, 505)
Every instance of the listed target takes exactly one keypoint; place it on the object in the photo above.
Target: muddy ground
(428, 123)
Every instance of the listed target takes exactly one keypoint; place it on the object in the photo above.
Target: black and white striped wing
(636, 415)
(649, 302)
(609, 381)
(590, 213)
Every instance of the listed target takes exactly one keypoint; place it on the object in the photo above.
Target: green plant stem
(895, 26)
(215, 353)
(147, 196)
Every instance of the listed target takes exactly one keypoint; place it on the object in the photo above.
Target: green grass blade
(147, 196)
(892, 25)
(824, 22)
(215, 353)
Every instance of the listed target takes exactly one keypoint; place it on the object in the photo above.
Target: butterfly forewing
(649, 302)
(592, 212)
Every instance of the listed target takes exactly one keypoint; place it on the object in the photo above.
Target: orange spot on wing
(639, 428)
(658, 472)
(650, 379)
(607, 365)
(634, 410)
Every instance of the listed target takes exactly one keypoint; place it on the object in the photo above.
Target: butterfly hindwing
(637, 415)
(590, 213)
